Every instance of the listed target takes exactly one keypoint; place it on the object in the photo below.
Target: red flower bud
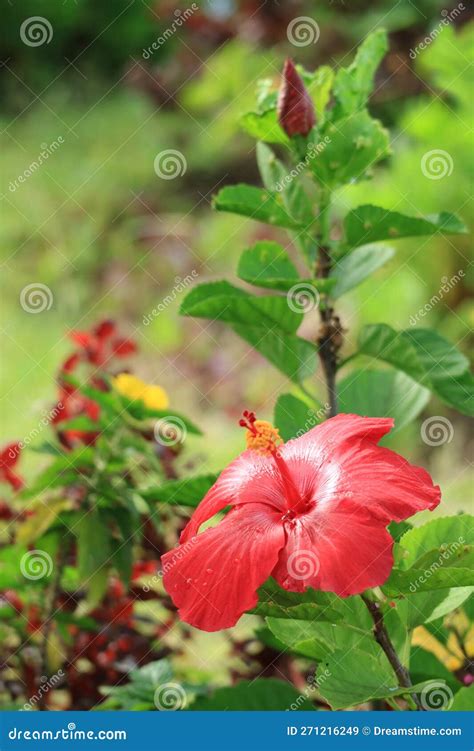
(296, 113)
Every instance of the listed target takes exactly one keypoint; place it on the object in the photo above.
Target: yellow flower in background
(153, 397)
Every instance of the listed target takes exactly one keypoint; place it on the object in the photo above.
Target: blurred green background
(109, 237)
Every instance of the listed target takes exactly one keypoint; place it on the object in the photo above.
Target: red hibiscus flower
(8, 458)
(312, 512)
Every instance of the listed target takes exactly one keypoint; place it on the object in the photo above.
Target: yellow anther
(263, 437)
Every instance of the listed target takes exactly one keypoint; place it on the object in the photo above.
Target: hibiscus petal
(344, 552)
(251, 478)
(214, 577)
(340, 461)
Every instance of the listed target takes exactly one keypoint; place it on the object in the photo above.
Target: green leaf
(425, 666)
(267, 265)
(279, 603)
(318, 85)
(93, 553)
(222, 301)
(417, 541)
(258, 204)
(294, 417)
(266, 323)
(353, 145)
(139, 692)
(353, 84)
(316, 639)
(463, 701)
(354, 268)
(188, 492)
(367, 224)
(437, 569)
(425, 356)
(428, 561)
(264, 126)
(348, 678)
(262, 694)
(382, 393)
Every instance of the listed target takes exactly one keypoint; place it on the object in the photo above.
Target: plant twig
(329, 337)
(383, 639)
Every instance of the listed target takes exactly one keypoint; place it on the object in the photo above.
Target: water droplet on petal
(209, 571)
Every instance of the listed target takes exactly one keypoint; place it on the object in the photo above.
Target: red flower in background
(98, 346)
(8, 459)
(296, 113)
(311, 513)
